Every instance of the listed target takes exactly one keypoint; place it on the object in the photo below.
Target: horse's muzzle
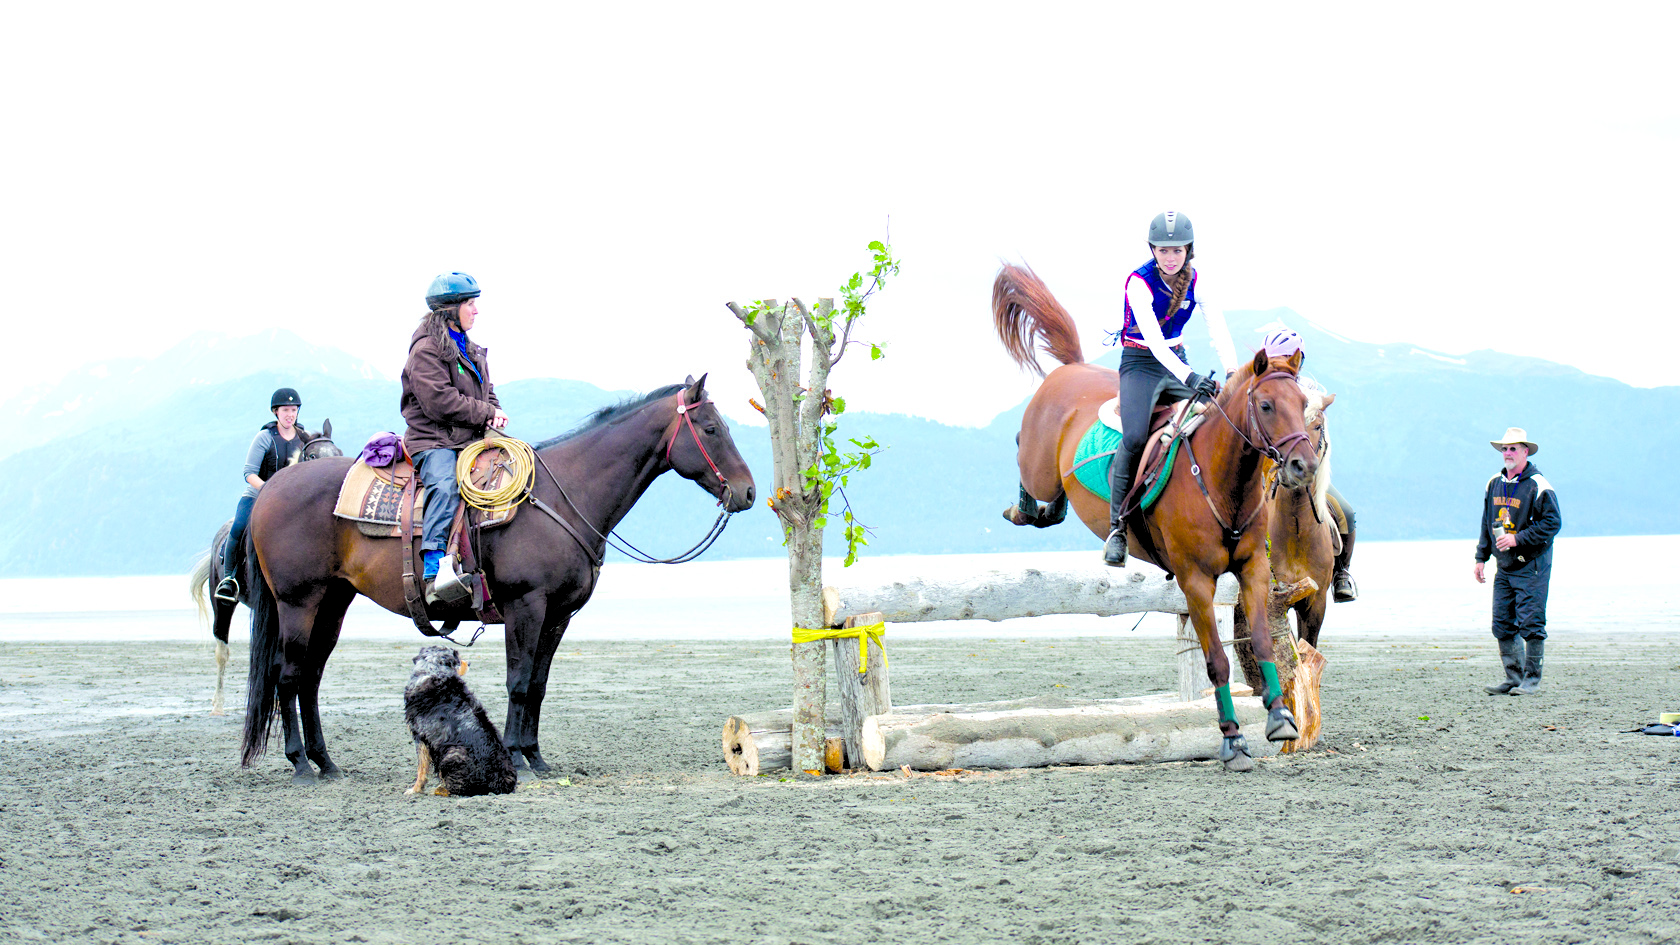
(1296, 471)
(738, 498)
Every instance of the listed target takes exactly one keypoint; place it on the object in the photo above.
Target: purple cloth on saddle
(382, 449)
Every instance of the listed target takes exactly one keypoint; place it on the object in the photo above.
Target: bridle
(1271, 449)
(618, 541)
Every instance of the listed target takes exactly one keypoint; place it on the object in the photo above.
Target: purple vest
(1161, 295)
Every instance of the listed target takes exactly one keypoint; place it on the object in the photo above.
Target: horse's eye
(1266, 406)
(711, 430)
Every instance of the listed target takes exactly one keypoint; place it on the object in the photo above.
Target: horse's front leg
(1256, 580)
(524, 619)
(1198, 590)
(536, 691)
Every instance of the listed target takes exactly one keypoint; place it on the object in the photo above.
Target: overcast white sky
(1458, 176)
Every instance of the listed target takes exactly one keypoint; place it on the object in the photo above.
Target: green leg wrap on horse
(1227, 710)
(1274, 689)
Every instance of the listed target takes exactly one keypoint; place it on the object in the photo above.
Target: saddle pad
(374, 496)
(1094, 457)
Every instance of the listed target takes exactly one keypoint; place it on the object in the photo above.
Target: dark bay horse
(1212, 516)
(539, 571)
(208, 571)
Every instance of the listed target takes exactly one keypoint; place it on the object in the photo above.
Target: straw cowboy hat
(1514, 436)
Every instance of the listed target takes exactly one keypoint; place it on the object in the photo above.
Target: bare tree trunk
(795, 415)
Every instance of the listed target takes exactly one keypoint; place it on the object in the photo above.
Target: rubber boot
(1343, 589)
(1511, 654)
(1536, 658)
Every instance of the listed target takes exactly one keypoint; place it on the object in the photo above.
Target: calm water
(1423, 587)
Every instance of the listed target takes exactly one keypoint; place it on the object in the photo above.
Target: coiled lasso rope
(521, 462)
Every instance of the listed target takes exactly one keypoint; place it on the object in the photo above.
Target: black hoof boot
(1344, 590)
(1280, 725)
(1234, 753)
(1114, 552)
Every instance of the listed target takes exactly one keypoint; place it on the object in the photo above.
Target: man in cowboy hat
(1520, 518)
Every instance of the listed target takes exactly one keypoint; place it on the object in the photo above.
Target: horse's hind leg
(1027, 511)
(329, 617)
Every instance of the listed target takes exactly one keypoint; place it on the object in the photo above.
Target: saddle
(1098, 448)
(386, 502)
(1166, 425)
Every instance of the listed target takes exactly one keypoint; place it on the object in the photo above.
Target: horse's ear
(698, 388)
(326, 429)
(1328, 400)
(1296, 359)
(1259, 364)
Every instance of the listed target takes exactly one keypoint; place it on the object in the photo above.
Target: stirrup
(227, 590)
(447, 586)
(1345, 590)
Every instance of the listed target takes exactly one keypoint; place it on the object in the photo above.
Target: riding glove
(1202, 384)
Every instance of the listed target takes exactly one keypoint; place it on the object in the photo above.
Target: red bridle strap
(683, 411)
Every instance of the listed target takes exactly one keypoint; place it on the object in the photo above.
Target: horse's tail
(263, 678)
(1024, 311)
(199, 582)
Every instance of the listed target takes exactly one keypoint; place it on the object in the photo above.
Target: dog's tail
(263, 680)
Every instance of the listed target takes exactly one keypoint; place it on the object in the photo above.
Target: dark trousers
(236, 534)
(1144, 382)
(436, 469)
(1519, 599)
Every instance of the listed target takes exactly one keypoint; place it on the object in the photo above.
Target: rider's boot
(1119, 483)
(1343, 589)
(1511, 655)
(227, 589)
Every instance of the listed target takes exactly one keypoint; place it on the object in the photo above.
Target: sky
(1455, 176)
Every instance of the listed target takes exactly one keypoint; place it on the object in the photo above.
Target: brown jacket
(443, 402)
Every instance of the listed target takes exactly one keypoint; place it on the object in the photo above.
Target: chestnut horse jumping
(306, 565)
(1213, 514)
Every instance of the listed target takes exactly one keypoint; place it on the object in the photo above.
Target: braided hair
(1180, 281)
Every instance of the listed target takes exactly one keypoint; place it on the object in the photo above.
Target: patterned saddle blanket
(372, 497)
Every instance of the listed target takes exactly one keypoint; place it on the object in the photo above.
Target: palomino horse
(1211, 516)
(208, 572)
(540, 569)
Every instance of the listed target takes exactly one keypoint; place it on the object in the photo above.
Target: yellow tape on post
(863, 634)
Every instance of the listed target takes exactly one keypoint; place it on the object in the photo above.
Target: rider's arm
(1142, 300)
(428, 379)
(254, 457)
(1218, 332)
(1484, 540)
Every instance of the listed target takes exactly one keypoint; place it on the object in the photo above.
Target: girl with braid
(1161, 296)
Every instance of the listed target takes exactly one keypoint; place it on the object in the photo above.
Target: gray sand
(124, 816)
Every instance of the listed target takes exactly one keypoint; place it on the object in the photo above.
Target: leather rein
(1273, 450)
(618, 541)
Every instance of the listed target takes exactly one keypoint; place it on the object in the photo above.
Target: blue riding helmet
(451, 288)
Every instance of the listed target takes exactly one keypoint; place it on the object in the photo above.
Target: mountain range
(128, 467)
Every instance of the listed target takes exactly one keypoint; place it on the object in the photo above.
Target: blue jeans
(436, 469)
(236, 535)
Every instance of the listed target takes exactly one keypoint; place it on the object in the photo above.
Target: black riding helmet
(285, 397)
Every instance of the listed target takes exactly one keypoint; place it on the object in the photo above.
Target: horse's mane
(612, 413)
(1315, 412)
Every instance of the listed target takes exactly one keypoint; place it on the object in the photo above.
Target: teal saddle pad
(1095, 456)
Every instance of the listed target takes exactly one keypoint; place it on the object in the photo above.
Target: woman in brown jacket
(448, 401)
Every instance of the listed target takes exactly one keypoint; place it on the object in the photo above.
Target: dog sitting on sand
(452, 731)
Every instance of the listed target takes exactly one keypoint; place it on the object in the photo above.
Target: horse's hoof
(1280, 726)
(303, 777)
(1012, 515)
(537, 763)
(331, 773)
(1234, 753)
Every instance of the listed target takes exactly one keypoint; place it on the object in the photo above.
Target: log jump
(1042, 731)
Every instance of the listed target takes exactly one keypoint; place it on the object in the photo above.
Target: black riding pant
(1144, 382)
(1519, 599)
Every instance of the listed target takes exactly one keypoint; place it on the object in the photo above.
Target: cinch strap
(863, 634)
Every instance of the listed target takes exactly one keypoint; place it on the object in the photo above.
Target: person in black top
(1520, 518)
(274, 448)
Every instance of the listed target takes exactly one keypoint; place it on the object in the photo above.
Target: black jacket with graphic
(1529, 507)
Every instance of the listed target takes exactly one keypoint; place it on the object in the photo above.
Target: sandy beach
(1429, 812)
